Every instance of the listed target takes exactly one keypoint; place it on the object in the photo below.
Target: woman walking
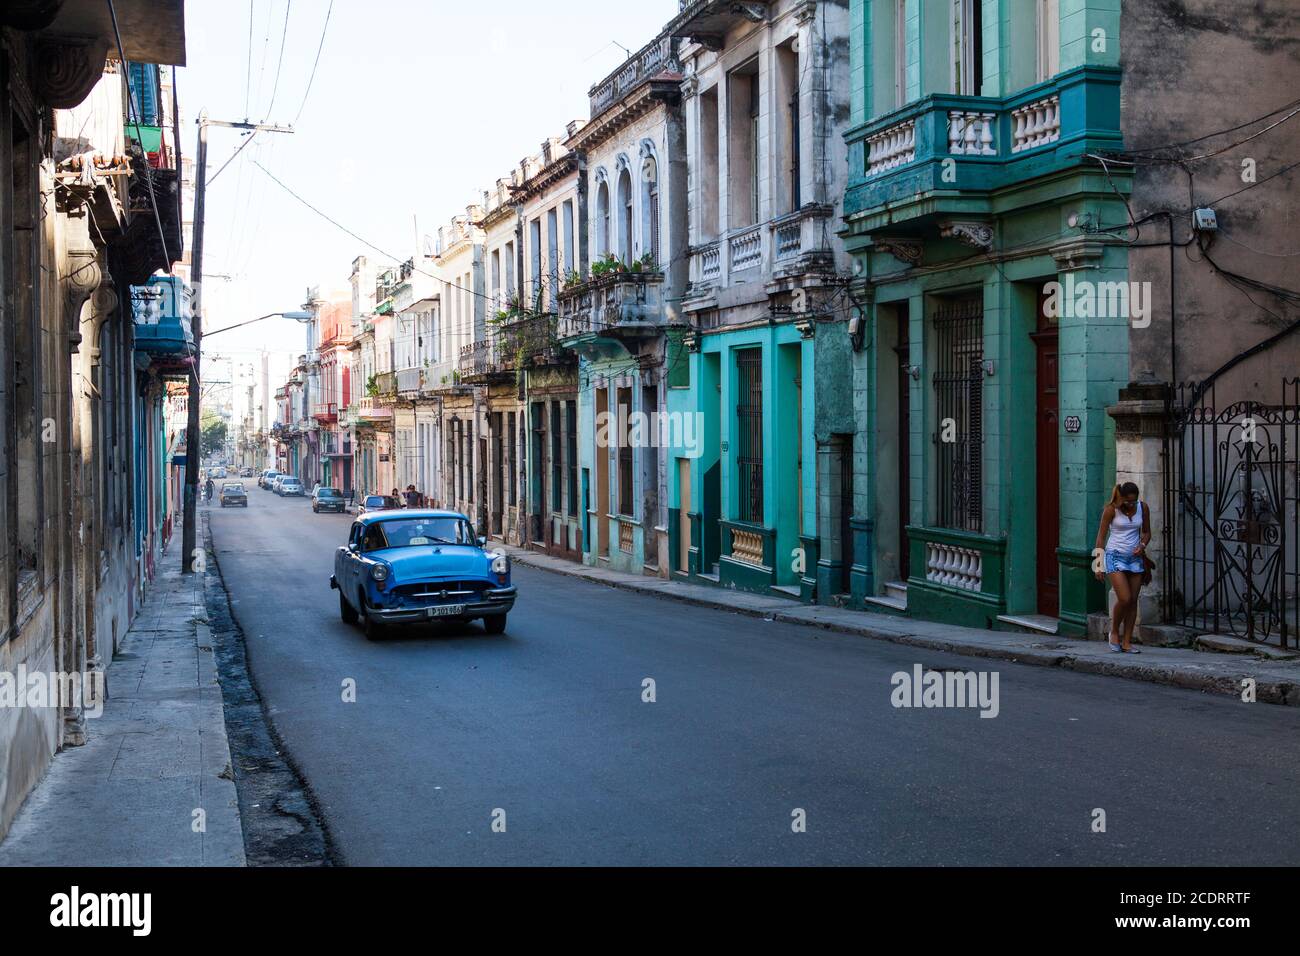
(1126, 530)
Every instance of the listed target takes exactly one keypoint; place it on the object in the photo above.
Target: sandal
(1115, 648)
(1132, 650)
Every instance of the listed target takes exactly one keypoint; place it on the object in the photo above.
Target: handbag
(1147, 564)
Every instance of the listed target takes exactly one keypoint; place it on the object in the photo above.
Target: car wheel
(375, 631)
(495, 624)
(346, 610)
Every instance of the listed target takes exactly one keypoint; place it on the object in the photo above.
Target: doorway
(602, 476)
(903, 405)
(1048, 459)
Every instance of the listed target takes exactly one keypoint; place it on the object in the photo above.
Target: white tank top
(1125, 531)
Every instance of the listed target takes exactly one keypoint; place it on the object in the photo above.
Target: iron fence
(1232, 505)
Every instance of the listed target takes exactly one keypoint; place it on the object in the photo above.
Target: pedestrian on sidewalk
(412, 497)
(1126, 530)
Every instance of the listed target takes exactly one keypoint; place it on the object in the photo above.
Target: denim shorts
(1131, 563)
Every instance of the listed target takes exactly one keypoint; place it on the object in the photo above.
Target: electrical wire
(315, 63)
(541, 280)
(284, 36)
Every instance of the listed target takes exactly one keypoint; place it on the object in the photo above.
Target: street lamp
(296, 316)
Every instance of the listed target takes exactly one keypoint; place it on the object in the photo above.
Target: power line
(284, 35)
(316, 63)
(248, 69)
(366, 242)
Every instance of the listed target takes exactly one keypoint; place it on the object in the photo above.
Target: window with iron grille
(749, 433)
(959, 412)
(625, 463)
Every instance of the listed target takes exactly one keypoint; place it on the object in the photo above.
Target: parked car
(268, 477)
(290, 487)
(245, 473)
(420, 565)
(233, 493)
(327, 499)
(275, 482)
(372, 503)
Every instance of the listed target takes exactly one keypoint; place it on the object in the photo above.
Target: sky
(416, 108)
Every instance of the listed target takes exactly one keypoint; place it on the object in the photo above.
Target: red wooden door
(1048, 466)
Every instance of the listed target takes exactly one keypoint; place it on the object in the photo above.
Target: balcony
(529, 341)
(368, 411)
(480, 363)
(946, 155)
(162, 310)
(657, 59)
(385, 386)
(326, 413)
(616, 306)
(410, 381)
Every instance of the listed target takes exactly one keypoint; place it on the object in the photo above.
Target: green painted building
(982, 449)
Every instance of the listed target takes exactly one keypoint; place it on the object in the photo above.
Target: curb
(1269, 691)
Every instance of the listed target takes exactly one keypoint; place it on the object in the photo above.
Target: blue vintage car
(414, 565)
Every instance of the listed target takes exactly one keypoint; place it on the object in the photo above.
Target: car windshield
(375, 501)
(237, 487)
(328, 493)
(415, 532)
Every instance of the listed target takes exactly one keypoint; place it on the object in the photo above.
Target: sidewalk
(156, 755)
(1277, 680)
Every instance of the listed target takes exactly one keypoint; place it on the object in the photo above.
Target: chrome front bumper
(496, 602)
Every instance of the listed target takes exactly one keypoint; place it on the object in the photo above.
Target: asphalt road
(752, 722)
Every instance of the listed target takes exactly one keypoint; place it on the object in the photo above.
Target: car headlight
(379, 572)
(501, 564)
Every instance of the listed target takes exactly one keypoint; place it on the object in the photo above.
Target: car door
(349, 563)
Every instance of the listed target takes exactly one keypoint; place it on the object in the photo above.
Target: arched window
(650, 209)
(625, 215)
(602, 218)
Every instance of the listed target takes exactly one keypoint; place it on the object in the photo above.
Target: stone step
(885, 601)
(1041, 623)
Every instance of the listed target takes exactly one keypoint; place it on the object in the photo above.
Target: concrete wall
(1193, 68)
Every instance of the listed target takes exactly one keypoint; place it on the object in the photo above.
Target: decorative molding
(904, 250)
(973, 233)
(68, 69)
(753, 12)
(1078, 253)
(806, 12)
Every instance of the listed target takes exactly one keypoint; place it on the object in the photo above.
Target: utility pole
(193, 437)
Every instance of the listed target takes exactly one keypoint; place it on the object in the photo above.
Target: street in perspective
(806, 433)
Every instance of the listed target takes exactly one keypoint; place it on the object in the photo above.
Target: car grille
(458, 592)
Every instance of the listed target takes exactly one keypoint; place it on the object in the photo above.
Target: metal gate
(1232, 501)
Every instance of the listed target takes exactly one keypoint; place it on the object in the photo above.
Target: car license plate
(447, 610)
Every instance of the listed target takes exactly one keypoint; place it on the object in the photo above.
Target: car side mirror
(482, 541)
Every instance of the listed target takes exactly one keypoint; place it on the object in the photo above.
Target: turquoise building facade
(992, 305)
